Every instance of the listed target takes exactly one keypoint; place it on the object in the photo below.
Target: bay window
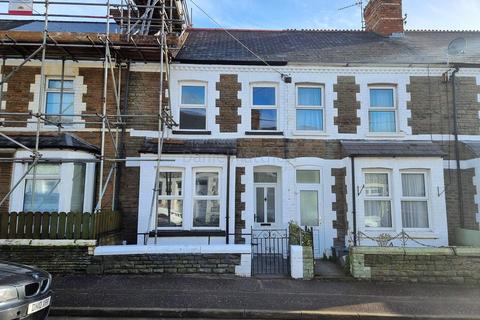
(42, 191)
(193, 107)
(190, 197)
(414, 201)
(309, 111)
(378, 207)
(308, 184)
(54, 187)
(264, 108)
(206, 200)
(382, 112)
(170, 197)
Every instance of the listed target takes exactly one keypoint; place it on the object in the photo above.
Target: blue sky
(324, 14)
(315, 14)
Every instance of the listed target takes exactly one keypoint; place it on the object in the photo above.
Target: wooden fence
(58, 225)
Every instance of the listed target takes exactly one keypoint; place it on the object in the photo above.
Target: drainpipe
(354, 202)
(457, 151)
(227, 215)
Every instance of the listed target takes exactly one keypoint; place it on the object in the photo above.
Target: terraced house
(355, 134)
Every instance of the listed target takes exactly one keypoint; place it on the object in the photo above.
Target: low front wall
(64, 257)
(433, 265)
(74, 257)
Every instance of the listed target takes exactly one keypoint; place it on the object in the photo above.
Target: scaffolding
(143, 31)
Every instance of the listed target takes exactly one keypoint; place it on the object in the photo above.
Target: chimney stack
(384, 17)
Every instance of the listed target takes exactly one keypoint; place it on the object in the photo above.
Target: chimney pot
(384, 17)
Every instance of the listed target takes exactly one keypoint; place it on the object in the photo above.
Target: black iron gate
(270, 251)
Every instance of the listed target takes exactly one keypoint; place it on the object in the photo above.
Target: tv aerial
(456, 47)
(356, 4)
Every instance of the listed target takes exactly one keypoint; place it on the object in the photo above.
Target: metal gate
(270, 251)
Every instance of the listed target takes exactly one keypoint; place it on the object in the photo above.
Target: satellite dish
(457, 46)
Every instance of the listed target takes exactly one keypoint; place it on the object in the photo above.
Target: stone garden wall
(433, 265)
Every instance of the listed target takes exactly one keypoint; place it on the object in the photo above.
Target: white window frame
(217, 197)
(165, 197)
(264, 107)
(66, 180)
(69, 90)
(195, 83)
(301, 107)
(393, 87)
(389, 198)
(426, 198)
(310, 187)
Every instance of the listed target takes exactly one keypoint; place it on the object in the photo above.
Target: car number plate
(39, 305)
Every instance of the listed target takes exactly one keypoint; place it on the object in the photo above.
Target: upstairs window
(414, 201)
(378, 202)
(264, 108)
(309, 111)
(382, 112)
(193, 107)
(59, 101)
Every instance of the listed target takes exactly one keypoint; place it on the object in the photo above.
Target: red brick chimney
(384, 17)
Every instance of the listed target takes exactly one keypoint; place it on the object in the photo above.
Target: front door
(265, 204)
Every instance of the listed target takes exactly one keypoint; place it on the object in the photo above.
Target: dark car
(24, 292)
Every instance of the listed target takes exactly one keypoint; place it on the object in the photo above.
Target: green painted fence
(58, 225)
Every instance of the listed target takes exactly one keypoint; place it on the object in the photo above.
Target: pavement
(228, 297)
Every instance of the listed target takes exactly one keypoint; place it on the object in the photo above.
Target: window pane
(46, 169)
(193, 118)
(270, 204)
(44, 198)
(413, 185)
(206, 184)
(308, 176)
(378, 214)
(170, 213)
(78, 187)
(376, 184)
(309, 208)
(170, 184)
(260, 200)
(382, 121)
(206, 213)
(309, 119)
(57, 84)
(414, 214)
(309, 96)
(381, 98)
(264, 119)
(263, 96)
(265, 177)
(193, 95)
(53, 103)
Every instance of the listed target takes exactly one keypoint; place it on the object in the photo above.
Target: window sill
(264, 133)
(188, 233)
(386, 135)
(417, 233)
(311, 133)
(192, 132)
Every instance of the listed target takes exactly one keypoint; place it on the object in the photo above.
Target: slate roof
(60, 141)
(325, 47)
(224, 146)
(384, 148)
